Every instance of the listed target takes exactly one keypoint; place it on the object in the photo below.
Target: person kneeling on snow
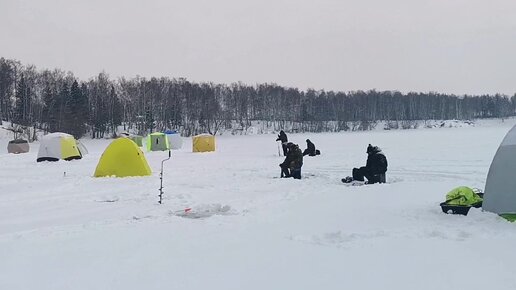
(310, 149)
(375, 168)
(291, 167)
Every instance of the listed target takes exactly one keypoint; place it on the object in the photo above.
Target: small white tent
(174, 139)
(18, 146)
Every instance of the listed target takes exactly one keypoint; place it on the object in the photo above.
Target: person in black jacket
(375, 168)
(284, 140)
(291, 167)
(310, 149)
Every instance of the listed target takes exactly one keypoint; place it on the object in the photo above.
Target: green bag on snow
(464, 196)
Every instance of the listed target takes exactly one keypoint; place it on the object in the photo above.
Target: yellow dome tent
(122, 158)
(203, 143)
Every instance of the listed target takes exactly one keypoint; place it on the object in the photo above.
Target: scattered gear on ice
(204, 211)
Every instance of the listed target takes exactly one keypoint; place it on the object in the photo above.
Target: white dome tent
(56, 146)
(500, 191)
(174, 139)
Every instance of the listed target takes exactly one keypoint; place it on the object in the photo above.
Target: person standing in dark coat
(291, 167)
(284, 140)
(375, 168)
(310, 149)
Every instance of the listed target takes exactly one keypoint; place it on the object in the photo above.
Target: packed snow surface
(228, 222)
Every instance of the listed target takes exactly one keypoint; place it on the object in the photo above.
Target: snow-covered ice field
(60, 228)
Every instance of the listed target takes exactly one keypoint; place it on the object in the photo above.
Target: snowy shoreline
(74, 231)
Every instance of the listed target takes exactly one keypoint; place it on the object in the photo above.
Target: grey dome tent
(500, 191)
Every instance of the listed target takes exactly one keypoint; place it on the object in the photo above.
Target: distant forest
(55, 100)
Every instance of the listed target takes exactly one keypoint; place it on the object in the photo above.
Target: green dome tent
(137, 139)
(157, 142)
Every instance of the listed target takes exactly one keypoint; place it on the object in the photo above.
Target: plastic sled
(458, 209)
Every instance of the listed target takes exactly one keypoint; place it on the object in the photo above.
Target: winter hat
(369, 149)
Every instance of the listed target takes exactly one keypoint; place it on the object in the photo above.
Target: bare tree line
(54, 100)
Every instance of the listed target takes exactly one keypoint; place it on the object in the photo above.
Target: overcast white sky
(452, 46)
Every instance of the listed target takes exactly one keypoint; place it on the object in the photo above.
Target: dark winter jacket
(376, 161)
(310, 148)
(294, 159)
(282, 137)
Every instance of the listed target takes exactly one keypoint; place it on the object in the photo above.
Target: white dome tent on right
(500, 191)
